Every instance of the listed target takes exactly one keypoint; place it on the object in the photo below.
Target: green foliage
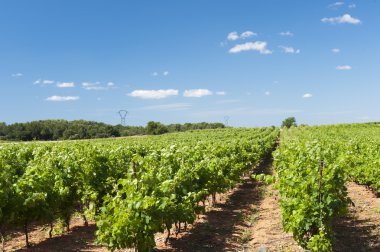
(156, 128)
(246, 236)
(320, 242)
(133, 187)
(289, 122)
(267, 178)
(167, 185)
(311, 194)
(3, 130)
(80, 129)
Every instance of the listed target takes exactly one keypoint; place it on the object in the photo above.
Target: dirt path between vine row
(225, 227)
(360, 230)
(268, 231)
(246, 220)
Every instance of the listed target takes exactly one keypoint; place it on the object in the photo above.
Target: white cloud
(344, 67)
(335, 50)
(166, 73)
(17, 75)
(336, 5)
(288, 49)
(47, 82)
(247, 34)
(287, 33)
(196, 93)
(307, 95)
(235, 36)
(351, 6)
(43, 82)
(94, 86)
(259, 46)
(220, 93)
(346, 18)
(65, 84)
(90, 84)
(154, 94)
(154, 73)
(110, 84)
(267, 93)
(169, 107)
(57, 98)
(232, 36)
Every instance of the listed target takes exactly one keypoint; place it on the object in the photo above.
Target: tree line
(81, 129)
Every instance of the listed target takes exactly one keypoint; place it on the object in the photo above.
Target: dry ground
(79, 238)
(360, 230)
(268, 231)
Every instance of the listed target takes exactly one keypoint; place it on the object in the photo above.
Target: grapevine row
(313, 166)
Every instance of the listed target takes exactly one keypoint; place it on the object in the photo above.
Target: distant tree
(3, 129)
(289, 122)
(156, 128)
(81, 129)
(130, 130)
(174, 127)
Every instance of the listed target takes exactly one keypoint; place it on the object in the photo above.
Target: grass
(252, 219)
(240, 215)
(246, 236)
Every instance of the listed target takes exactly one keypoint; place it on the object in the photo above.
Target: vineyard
(137, 187)
(132, 188)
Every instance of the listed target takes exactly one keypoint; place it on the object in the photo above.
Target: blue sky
(257, 62)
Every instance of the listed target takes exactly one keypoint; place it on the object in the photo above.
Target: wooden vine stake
(134, 170)
(2, 240)
(321, 165)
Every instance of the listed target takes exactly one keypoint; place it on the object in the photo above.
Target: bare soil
(79, 238)
(268, 231)
(360, 230)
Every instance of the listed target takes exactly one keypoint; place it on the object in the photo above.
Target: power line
(123, 115)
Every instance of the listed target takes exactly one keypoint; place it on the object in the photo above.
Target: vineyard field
(136, 188)
(133, 188)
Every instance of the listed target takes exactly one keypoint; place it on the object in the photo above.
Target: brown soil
(360, 230)
(222, 227)
(268, 231)
(79, 238)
